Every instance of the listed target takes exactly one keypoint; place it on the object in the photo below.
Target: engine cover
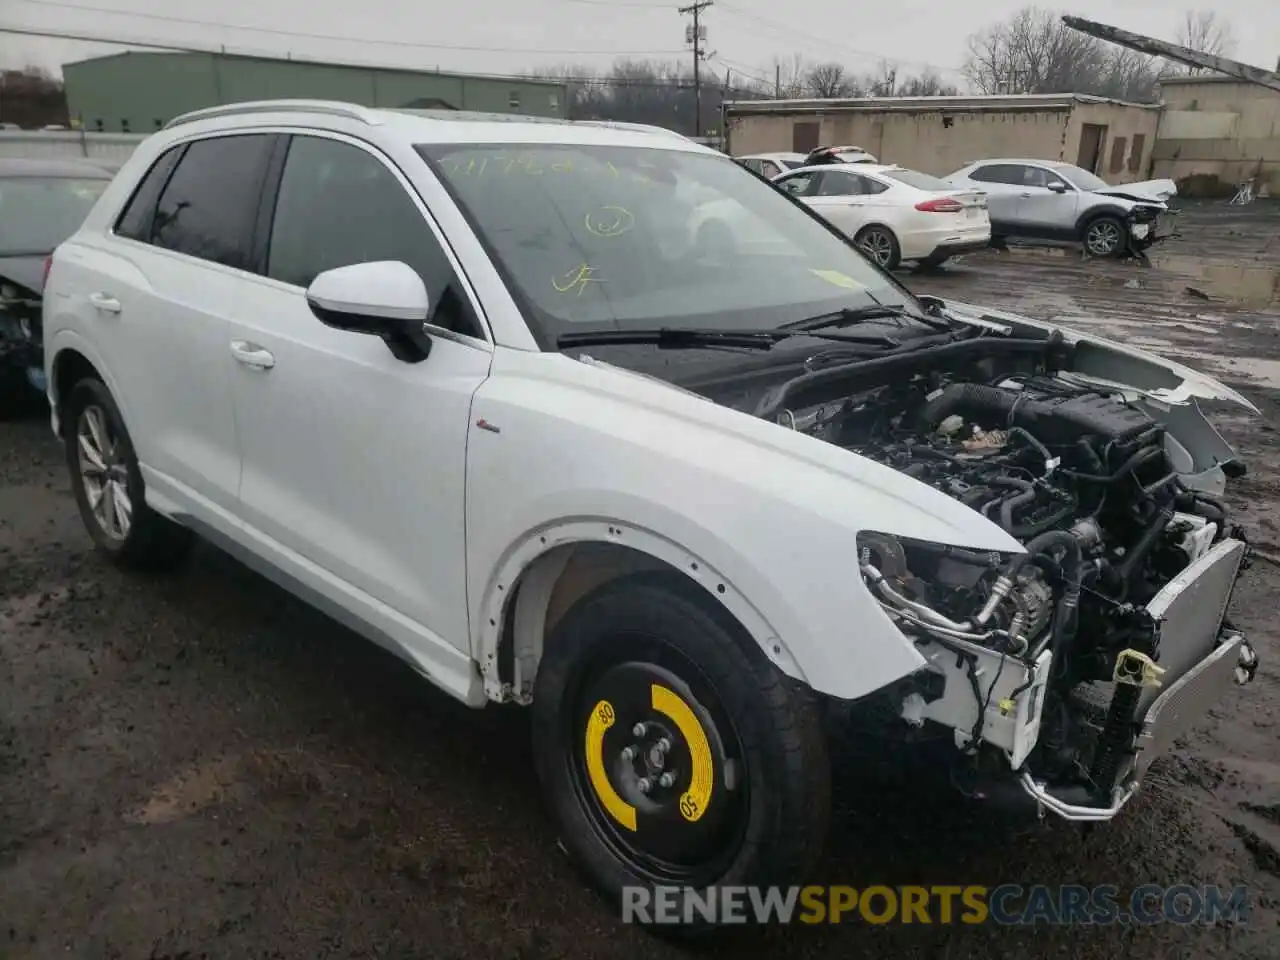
(1055, 412)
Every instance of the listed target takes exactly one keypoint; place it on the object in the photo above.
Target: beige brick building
(940, 134)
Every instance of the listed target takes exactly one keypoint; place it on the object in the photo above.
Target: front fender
(571, 451)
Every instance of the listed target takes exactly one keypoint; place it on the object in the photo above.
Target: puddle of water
(1255, 285)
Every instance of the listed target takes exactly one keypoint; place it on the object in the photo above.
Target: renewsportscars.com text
(1007, 904)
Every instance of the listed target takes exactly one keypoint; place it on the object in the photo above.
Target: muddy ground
(198, 766)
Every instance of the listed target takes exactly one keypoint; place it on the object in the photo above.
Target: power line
(409, 44)
(775, 25)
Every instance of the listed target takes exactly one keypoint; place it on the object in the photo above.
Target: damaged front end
(21, 347)
(1063, 670)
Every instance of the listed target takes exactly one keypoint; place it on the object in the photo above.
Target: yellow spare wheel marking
(602, 718)
(693, 803)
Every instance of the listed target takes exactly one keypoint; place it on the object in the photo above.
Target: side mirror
(1057, 186)
(385, 298)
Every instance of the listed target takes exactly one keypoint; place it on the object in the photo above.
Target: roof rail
(627, 125)
(333, 108)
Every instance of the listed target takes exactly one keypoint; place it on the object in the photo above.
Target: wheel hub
(654, 771)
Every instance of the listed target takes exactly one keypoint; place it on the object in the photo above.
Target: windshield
(921, 181)
(625, 238)
(1081, 177)
(38, 213)
(791, 164)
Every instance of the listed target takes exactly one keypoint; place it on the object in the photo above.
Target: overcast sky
(507, 36)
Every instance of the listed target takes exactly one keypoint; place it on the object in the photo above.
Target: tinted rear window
(38, 213)
(914, 178)
(209, 206)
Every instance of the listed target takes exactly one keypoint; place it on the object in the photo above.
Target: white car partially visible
(893, 213)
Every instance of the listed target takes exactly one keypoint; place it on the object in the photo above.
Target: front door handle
(100, 301)
(252, 355)
(1025, 195)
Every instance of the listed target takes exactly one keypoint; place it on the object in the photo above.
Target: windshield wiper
(675, 337)
(849, 316)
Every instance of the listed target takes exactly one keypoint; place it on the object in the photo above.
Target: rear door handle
(100, 301)
(252, 355)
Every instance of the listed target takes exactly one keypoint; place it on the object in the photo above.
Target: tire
(765, 818)
(880, 246)
(138, 537)
(1103, 237)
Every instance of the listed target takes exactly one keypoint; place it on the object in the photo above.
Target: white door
(840, 196)
(163, 295)
(352, 459)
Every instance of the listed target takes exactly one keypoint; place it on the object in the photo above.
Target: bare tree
(927, 84)
(828, 80)
(1035, 52)
(1203, 30)
(789, 74)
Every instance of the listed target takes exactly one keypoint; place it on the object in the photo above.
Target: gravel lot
(199, 766)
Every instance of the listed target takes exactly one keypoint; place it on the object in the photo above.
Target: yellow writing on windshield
(576, 279)
(525, 163)
(838, 279)
(609, 221)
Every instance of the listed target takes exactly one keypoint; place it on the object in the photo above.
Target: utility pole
(696, 36)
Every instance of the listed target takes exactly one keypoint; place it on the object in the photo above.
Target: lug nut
(664, 745)
(629, 753)
(638, 730)
(645, 785)
(666, 780)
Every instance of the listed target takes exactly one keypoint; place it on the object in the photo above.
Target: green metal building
(141, 92)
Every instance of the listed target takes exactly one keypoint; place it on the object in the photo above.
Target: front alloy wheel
(1104, 237)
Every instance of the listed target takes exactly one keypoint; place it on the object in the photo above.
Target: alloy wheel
(1103, 238)
(104, 473)
(878, 246)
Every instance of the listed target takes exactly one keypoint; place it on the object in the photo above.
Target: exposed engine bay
(1039, 660)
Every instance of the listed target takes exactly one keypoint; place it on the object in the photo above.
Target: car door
(1047, 204)
(840, 196)
(352, 459)
(163, 292)
(1002, 183)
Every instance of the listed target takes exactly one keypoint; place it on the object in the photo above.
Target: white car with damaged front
(448, 378)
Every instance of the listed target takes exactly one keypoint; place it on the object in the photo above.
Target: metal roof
(960, 103)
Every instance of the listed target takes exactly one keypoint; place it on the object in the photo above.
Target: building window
(1135, 152)
(1117, 154)
(124, 125)
(159, 124)
(513, 101)
(98, 125)
(555, 101)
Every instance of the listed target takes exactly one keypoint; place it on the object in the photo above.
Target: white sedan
(894, 214)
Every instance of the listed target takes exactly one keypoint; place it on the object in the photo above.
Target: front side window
(615, 238)
(1081, 177)
(998, 173)
(339, 205)
(38, 213)
(210, 203)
